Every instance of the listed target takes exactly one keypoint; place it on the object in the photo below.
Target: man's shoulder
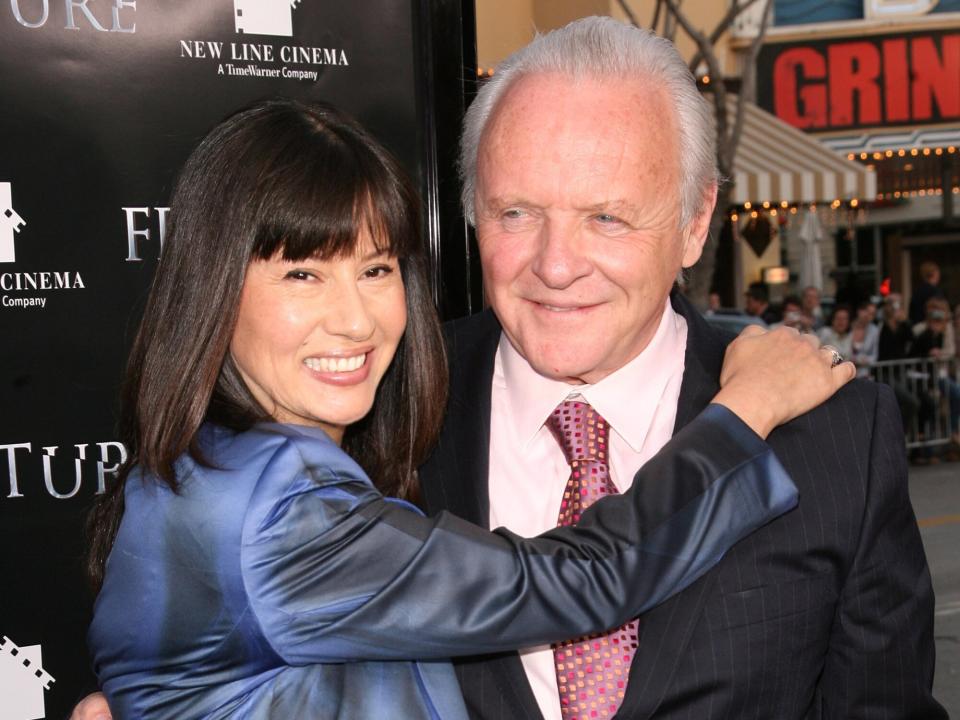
(472, 336)
(860, 414)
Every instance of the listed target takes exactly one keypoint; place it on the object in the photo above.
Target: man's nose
(561, 258)
(349, 315)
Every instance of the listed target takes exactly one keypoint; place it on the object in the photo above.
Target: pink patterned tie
(591, 671)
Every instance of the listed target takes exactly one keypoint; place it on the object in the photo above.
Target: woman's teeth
(342, 364)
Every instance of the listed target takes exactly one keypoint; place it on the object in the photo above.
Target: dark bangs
(313, 199)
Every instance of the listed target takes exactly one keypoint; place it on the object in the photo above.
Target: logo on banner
(12, 284)
(264, 17)
(22, 681)
(264, 59)
(10, 224)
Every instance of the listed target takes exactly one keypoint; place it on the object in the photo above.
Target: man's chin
(578, 372)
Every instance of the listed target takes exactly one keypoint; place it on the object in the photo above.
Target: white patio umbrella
(811, 268)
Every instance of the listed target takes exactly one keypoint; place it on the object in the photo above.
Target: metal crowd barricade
(922, 396)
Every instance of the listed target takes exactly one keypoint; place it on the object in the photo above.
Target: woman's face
(314, 338)
(841, 321)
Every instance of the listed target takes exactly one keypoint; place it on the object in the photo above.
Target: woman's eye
(299, 275)
(378, 271)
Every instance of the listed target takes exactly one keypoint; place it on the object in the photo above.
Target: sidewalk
(935, 493)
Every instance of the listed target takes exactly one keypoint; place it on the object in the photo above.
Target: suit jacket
(826, 612)
(278, 583)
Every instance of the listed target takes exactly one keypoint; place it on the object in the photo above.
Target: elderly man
(588, 171)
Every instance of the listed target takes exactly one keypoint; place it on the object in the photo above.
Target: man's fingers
(751, 330)
(843, 373)
(811, 340)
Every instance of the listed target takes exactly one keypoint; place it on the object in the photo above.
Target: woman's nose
(349, 316)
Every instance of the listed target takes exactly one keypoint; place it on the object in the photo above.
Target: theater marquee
(852, 83)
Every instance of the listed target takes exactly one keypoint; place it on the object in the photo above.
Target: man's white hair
(604, 48)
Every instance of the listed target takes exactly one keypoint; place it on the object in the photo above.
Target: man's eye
(513, 213)
(607, 219)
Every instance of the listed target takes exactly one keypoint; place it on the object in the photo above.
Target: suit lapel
(667, 629)
(455, 479)
(455, 476)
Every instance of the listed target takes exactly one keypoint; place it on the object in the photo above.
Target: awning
(777, 163)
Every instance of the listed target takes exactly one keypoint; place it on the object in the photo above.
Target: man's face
(811, 298)
(577, 211)
(754, 306)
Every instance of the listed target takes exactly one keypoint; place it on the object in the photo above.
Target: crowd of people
(890, 332)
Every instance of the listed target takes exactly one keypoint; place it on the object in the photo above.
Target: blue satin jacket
(280, 584)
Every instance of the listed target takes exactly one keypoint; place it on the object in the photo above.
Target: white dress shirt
(528, 472)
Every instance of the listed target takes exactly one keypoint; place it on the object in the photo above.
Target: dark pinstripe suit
(825, 613)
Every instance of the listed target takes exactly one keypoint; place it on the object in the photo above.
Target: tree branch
(748, 77)
(628, 12)
(725, 22)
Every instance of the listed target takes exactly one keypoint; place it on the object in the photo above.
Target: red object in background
(863, 82)
(885, 287)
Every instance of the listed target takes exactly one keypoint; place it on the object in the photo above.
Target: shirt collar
(627, 398)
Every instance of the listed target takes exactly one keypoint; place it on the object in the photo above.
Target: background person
(250, 568)
(837, 333)
(589, 172)
(812, 308)
(928, 288)
(758, 304)
(864, 338)
(793, 316)
(895, 343)
(935, 341)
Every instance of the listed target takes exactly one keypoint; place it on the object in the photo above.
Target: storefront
(880, 85)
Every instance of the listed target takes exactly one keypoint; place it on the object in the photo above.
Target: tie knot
(581, 431)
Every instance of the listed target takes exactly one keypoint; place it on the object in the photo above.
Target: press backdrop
(100, 103)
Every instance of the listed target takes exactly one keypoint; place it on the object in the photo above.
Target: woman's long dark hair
(298, 180)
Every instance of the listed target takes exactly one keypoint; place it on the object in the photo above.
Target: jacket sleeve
(881, 656)
(335, 572)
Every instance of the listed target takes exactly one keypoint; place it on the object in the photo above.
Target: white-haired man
(588, 171)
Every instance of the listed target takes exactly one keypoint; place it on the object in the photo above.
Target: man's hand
(92, 707)
(770, 377)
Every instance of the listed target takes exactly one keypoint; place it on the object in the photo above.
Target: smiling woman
(247, 565)
(314, 338)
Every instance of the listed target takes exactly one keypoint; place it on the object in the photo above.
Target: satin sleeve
(335, 572)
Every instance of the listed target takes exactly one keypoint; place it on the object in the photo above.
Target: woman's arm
(379, 581)
(335, 572)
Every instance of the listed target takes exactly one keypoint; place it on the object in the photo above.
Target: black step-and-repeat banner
(100, 103)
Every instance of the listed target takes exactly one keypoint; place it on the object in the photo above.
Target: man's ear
(695, 234)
